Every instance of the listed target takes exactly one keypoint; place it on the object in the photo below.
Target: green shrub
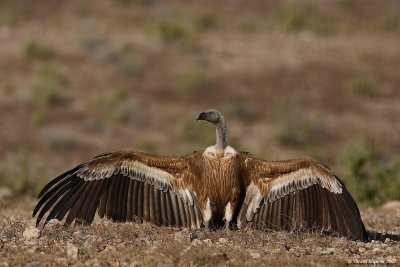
(389, 22)
(189, 82)
(371, 177)
(39, 117)
(293, 19)
(361, 86)
(175, 31)
(296, 18)
(172, 31)
(197, 133)
(237, 109)
(23, 174)
(9, 88)
(130, 2)
(146, 145)
(36, 51)
(47, 85)
(293, 128)
(206, 20)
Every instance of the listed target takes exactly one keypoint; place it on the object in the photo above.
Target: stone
(328, 251)
(376, 250)
(109, 249)
(72, 251)
(255, 255)
(392, 206)
(207, 241)
(31, 232)
(223, 240)
(5, 193)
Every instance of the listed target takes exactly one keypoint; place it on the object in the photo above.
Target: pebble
(72, 251)
(109, 249)
(377, 250)
(223, 240)
(255, 255)
(207, 241)
(362, 250)
(328, 251)
(92, 262)
(392, 205)
(197, 242)
(5, 192)
(31, 232)
(181, 236)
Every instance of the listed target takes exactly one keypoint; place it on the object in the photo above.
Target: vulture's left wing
(299, 194)
(123, 186)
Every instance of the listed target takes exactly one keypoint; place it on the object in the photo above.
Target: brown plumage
(210, 187)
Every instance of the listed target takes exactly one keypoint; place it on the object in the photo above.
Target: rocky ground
(111, 244)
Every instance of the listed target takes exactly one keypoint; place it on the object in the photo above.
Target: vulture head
(213, 116)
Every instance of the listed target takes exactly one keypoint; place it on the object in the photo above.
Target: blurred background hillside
(319, 78)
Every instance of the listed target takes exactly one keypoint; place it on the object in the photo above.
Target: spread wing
(299, 194)
(123, 186)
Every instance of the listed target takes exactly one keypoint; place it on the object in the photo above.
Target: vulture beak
(201, 116)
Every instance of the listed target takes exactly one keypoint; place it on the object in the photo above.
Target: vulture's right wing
(298, 194)
(123, 186)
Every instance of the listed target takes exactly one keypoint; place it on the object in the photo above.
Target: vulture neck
(221, 135)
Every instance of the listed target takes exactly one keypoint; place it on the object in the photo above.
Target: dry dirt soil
(132, 244)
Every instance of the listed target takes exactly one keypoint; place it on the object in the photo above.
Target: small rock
(145, 240)
(89, 241)
(387, 240)
(275, 251)
(5, 193)
(72, 251)
(328, 251)
(180, 236)
(223, 240)
(109, 249)
(377, 250)
(192, 236)
(61, 261)
(31, 232)
(392, 205)
(92, 262)
(362, 250)
(196, 242)
(207, 241)
(186, 236)
(54, 223)
(78, 234)
(255, 255)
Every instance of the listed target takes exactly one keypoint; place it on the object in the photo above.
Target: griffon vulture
(211, 187)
